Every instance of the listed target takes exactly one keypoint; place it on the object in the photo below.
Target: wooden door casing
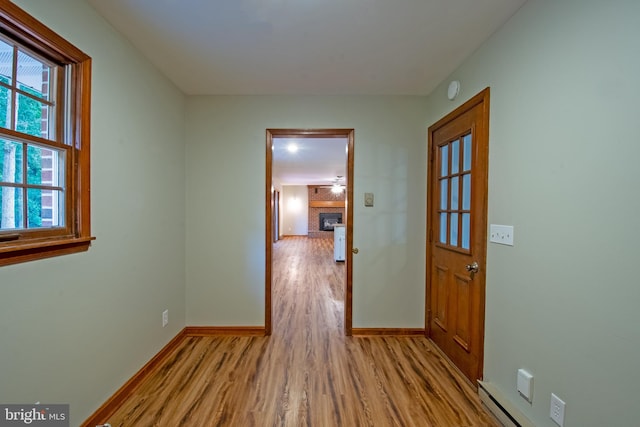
(348, 134)
(456, 297)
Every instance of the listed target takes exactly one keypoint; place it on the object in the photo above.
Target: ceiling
(318, 161)
(257, 47)
(307, 47)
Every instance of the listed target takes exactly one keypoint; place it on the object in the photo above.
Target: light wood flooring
(307, 373)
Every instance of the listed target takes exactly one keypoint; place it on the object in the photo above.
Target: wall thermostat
(368, 199)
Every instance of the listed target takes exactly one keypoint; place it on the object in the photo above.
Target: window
(44, 141)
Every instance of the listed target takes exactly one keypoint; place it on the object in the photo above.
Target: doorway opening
(271, 209)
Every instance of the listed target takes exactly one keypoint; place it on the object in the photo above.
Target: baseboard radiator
(503, 410)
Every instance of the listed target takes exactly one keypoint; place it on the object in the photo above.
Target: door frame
(309, 133)
(276, 216)
(482, 134)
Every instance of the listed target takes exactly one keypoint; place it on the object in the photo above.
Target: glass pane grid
(27, 103)
(21, 204)
(454, 213)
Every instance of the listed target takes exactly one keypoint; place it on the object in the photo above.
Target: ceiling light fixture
(292, 147)
(336, 188)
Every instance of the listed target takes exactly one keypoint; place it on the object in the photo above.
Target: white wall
(73, 329)
(295, 210)
(226, 223)
(563, 302)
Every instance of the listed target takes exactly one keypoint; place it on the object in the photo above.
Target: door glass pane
(10, 161)
(467, 153)
(453, 237)
(455, 156)
(443, 227)
(11, 202)
(466, 223)
(444, 196)
(44, 208)
(466, 192)
(455, 186)
(444, 160)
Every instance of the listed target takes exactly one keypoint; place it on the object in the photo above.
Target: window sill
(23, 252)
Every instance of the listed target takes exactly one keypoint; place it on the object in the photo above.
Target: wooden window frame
(75, 236)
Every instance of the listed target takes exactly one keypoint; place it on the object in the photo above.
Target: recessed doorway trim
(269, 207)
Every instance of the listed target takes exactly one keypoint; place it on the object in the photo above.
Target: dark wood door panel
(457, 222)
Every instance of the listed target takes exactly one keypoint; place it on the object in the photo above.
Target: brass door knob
(355, 250)
(472, 268)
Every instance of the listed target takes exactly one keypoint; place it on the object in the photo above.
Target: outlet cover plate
(502, 234)
(557, 410)
(165, 318)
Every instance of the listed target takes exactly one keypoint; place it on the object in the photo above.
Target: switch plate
(502, 234)
(525, 385)
(557, 410)
(165, 318)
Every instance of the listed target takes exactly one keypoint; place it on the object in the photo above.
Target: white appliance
(339, 241)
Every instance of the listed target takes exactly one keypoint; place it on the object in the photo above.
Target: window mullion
(62, 94)
(31, 139)
(35, 98)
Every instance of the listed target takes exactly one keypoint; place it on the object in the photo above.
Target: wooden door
(457, 231)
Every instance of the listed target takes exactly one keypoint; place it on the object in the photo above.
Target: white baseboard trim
(500, 407)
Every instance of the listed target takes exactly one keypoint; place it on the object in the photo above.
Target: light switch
(368, 199)
(502, 234)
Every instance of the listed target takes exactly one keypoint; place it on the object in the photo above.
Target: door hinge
(430, 235)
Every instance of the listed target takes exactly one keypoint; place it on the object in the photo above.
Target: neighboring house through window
(44, 141)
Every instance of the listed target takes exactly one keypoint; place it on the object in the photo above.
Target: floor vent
(506, 413)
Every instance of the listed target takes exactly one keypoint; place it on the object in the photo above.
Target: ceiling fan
(337, 186)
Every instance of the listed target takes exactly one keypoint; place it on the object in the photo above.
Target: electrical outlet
(165, 318)
(557, 410)
(502, 234)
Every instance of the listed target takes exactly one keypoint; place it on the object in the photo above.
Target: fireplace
(328, 220)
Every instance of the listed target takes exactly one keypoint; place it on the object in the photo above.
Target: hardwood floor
(307, 373)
